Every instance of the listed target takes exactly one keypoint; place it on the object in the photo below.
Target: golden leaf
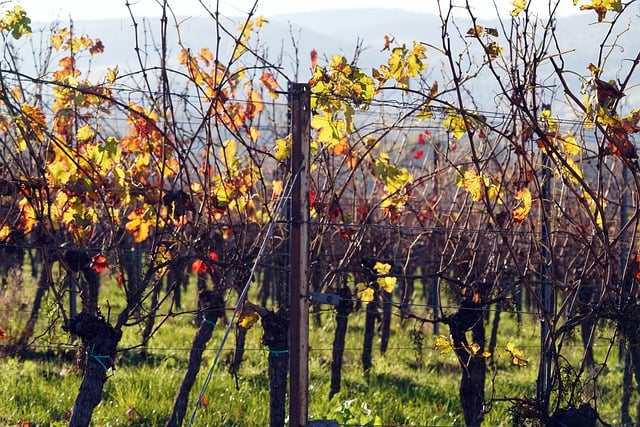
(444, 344)
(387, 283)
(516, 355)
(248, 318)
(518, 7)
(364, 292)
(521, 212)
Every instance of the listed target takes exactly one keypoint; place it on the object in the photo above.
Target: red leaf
(3, 334)
(314, 58)
(419, 154)
(99, 263)
(199, 266)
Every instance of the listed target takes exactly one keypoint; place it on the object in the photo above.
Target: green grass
(405, 387)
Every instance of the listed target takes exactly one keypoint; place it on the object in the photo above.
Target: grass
(407, 385)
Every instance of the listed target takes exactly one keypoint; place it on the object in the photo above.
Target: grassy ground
(411, 384)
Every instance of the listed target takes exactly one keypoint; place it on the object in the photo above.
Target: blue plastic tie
(210, 322)
(99, 358)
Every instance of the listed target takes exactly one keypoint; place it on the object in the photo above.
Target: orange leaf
(271, 84)
(138, 225)
(204, 401)
(3, 334)
(99, 263)
(199, 266)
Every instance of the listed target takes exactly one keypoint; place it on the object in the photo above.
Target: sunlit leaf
(270, 83)
(444, 344)
(85, 134)
(595, 207)
(199, 266)
(388, 284)
(474, 348)
(382, 267)
(493, 50)
(518, 7)
(247, 318)
(521, 212)
(455, 124)
(570, 145)
(139, 226)
(112, 74)
(601, 7)
(16, 22)
(364, 293)
(473, 183)
(516, 355)
(99, 263)
(5, 231)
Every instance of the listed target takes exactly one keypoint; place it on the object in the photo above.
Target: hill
(288, 39)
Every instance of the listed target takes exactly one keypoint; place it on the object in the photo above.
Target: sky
(47, 10)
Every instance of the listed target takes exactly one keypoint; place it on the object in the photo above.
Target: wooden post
(299, 104)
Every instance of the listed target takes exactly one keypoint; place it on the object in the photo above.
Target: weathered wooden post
(299, 104)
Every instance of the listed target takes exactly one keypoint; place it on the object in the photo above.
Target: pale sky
(47, 10)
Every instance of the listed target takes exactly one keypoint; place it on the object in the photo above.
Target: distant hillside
(334, 32)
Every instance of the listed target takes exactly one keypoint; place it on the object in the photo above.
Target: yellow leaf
(521, 212)
(550, 122)
(364, 292)
(455, 124)
(59, 172)
(570, 170)
(228, 153)
(474, 184)
(16, 21)
(247, 319)
(570, 145)
(474, 348)
(518, 7)
(516, 355)
(602, 6)
(253, 133)
(85, 134)
(112, 74)
(4, 232)
(414, 59)
(387, 283)
(382, 267)
(444, 344)
(283, 149)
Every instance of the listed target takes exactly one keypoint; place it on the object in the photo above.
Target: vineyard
(206, 216)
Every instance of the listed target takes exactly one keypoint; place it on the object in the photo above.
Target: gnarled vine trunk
(213, 303)
(342, 319)
(474, 369)
(100, 340)
(276, 338)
